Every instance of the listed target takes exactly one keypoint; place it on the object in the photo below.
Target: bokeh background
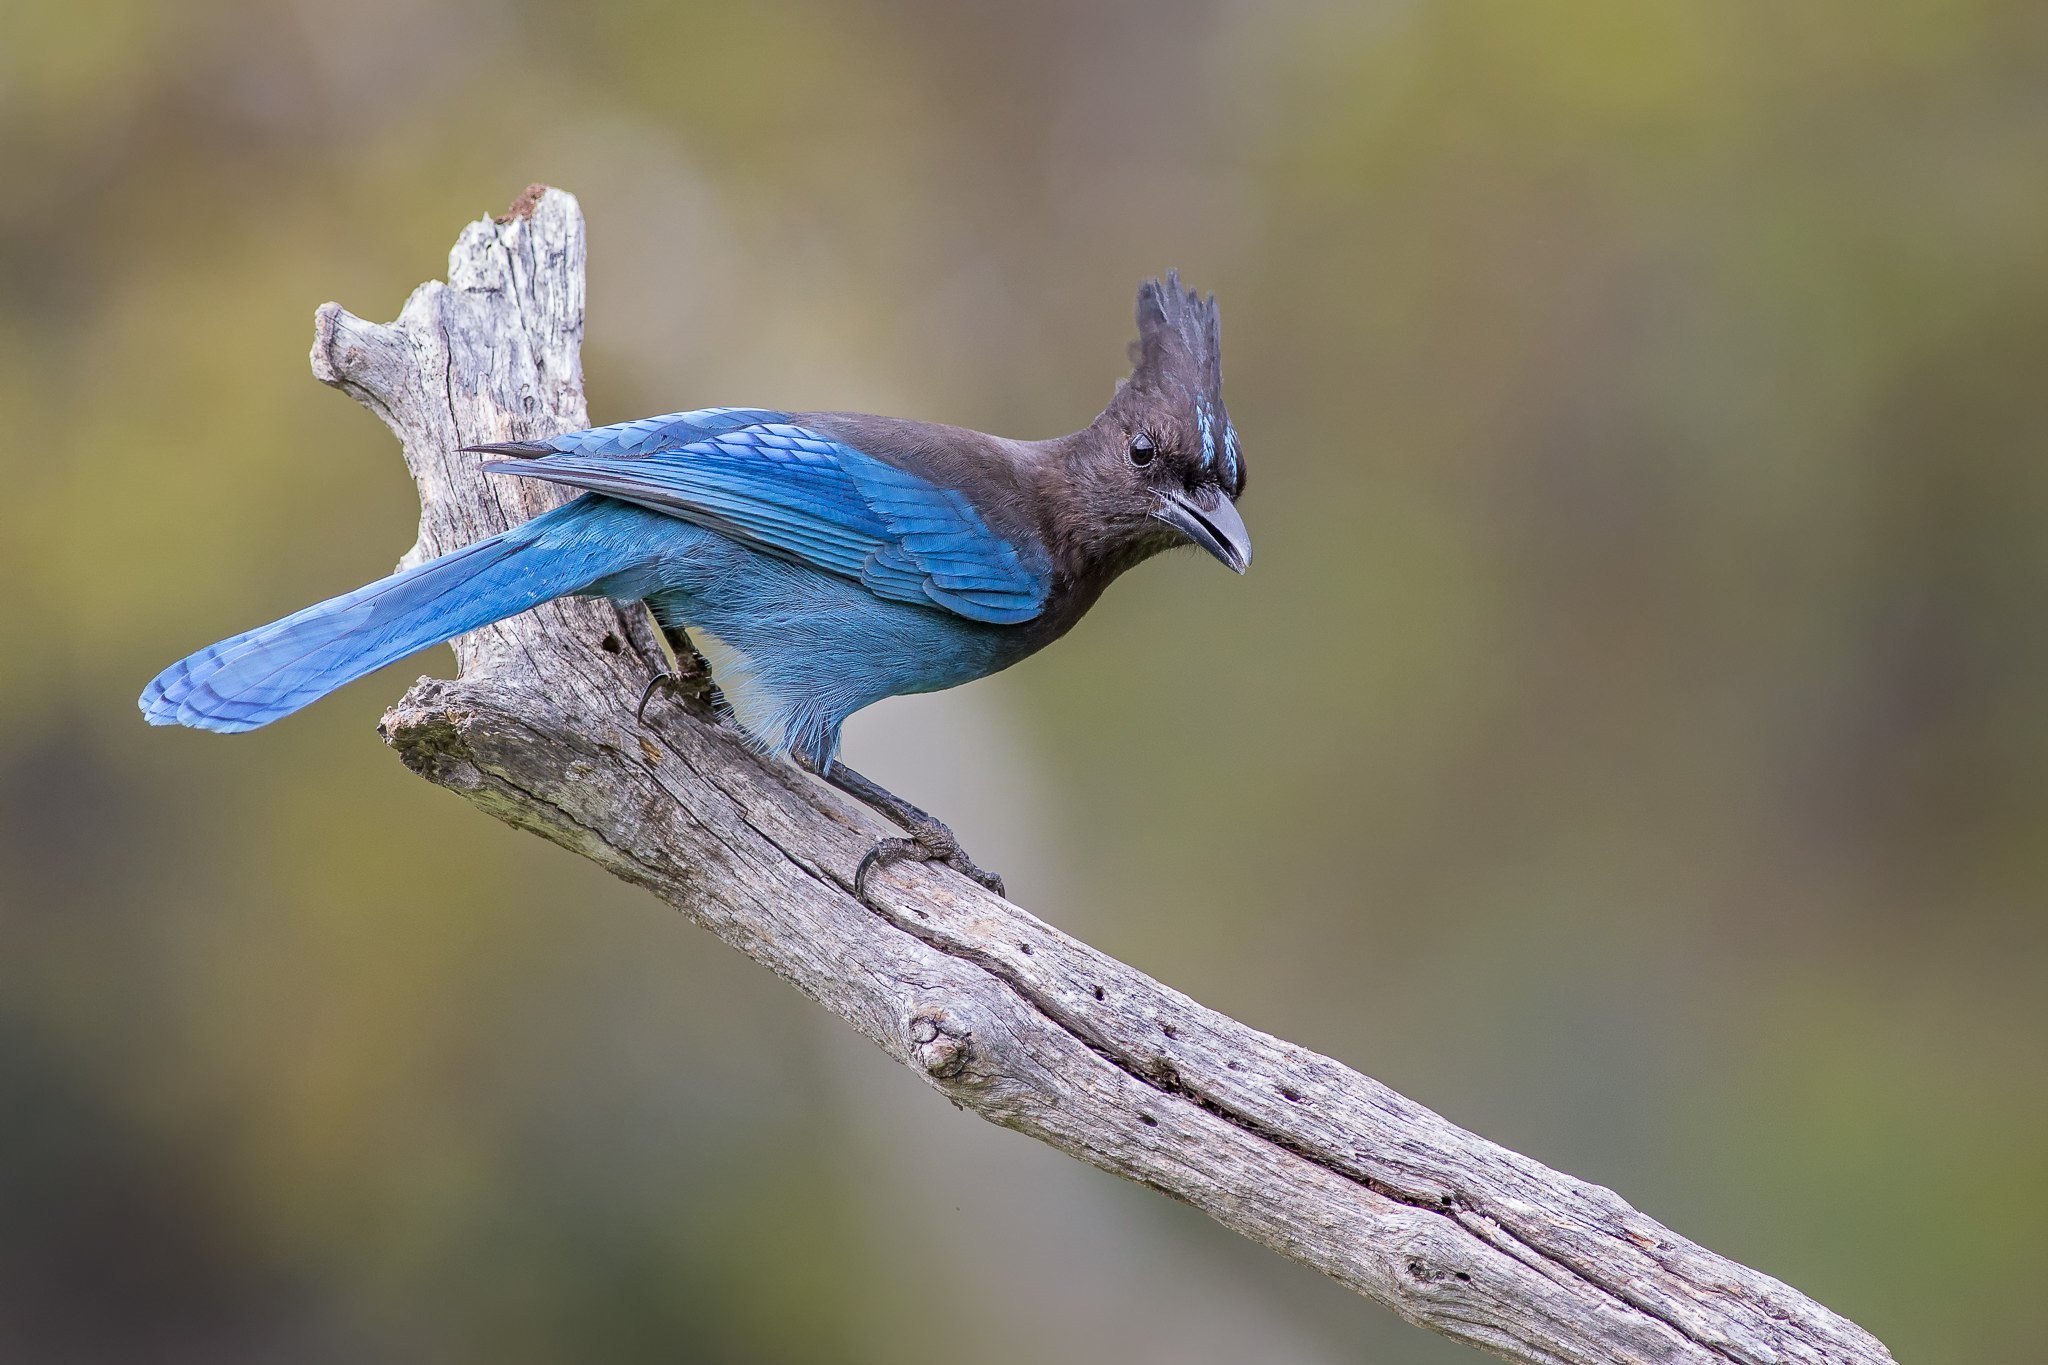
(1632, 740)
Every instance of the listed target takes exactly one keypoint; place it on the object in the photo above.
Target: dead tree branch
(1004, 1015)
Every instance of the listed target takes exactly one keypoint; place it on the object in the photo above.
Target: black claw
(663, 681)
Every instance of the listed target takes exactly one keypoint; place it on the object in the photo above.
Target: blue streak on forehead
(1207, 420)
(1230, 452)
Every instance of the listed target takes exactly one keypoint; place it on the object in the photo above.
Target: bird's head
(1162, 466)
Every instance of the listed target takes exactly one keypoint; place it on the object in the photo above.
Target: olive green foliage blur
(1631, 741)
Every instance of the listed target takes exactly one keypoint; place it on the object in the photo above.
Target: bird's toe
(885, 852)
(981, 876)
(927, 846)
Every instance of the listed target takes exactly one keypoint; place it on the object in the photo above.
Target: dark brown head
(1161, 466)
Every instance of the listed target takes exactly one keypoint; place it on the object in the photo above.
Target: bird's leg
(929, 842)
(669, 681)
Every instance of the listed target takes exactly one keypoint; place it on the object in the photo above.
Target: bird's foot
(682, 676)
(930, 844)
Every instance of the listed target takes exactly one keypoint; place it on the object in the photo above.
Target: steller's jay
(821, 560)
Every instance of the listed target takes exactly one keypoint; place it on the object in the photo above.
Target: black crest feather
(1179, 352)
(1179, 328)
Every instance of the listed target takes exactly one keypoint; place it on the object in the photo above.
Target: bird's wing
(755, 476)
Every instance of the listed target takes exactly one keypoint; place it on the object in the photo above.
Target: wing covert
(751, 474)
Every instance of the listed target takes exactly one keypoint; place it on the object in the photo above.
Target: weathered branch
(1004, 1015)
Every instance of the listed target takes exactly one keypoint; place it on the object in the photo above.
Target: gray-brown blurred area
(1632, 740)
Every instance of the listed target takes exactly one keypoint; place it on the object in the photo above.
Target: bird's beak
(1211, 521)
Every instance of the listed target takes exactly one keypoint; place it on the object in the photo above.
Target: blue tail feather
(268, 673)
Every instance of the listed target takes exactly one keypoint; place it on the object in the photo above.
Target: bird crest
(1177, 360)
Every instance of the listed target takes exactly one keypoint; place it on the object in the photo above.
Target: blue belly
(797, 650)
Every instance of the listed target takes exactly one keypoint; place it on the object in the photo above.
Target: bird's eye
(1142, 450)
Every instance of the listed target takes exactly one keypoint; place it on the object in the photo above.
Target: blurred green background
(1632, 740)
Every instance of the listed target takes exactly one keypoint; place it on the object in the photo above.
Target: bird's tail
(274, 670)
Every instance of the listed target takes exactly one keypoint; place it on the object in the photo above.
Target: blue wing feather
(751, 474)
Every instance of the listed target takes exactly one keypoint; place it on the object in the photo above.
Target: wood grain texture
(1006, 1016)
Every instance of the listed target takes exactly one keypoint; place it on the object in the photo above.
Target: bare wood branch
(1004, 1015)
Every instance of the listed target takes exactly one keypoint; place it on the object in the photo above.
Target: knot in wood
(941, 1045)
(1422, 1272)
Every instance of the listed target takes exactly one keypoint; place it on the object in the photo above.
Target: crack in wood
(1168, 1081)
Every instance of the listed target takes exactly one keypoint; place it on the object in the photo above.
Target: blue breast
(796, 649)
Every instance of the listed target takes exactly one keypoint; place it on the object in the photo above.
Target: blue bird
(819, 561)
